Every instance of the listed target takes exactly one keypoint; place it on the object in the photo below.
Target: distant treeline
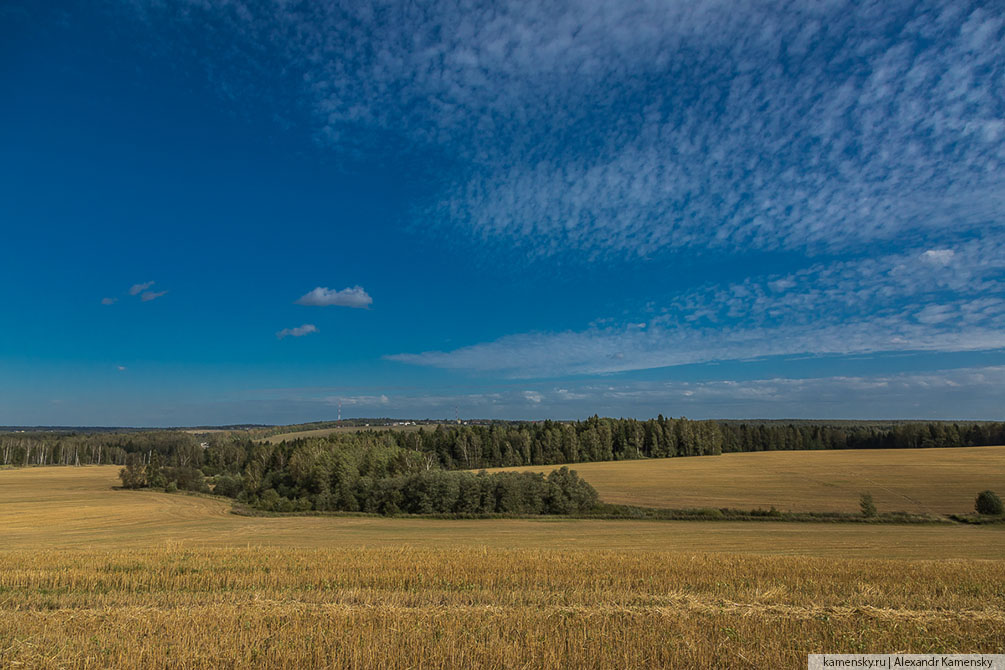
(397, 471)
(597, 439)
(95, 448)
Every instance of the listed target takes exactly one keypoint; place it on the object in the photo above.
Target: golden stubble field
(938, 481)
(410, 607)
(95, 577)
(60, 507)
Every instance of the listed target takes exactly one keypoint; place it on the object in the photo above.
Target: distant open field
(939, 481)
(67, 507)
(323, 432)
(96, 577)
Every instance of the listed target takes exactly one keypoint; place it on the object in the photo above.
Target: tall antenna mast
(340, 410)
(457, 414)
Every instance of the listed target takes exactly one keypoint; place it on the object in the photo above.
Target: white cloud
(933, 314)
(938, 256)
(862, 288)
(889, 303)
(120, 368)
(347, 297)
(359, 400)
(606, 351)
(299, 331)
(953, 393)
(869, 134)
(136, 289)
(109, 301)
(961, 393)
(142, 290)
(147, 296)
(629, 128)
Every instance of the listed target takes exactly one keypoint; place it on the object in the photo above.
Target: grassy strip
(607, 511)
(978, 519)
(632, 513)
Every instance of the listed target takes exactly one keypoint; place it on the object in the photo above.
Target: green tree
(988, 502)
(155, 472)
(133, 476)
(227, 485)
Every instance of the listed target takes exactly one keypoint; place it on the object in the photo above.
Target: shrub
(569, 494)
(867, 506)
(171, 487)
(187, 479)
(227, 485)
(988, 502)
(155, 472)
(133, 476)
(270, 500)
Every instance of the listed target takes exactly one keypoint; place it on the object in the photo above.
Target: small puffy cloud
(109, 301)
(938, 256)
(136, 289)
(151, 295)
(120, 368)
(323, 296)
(299, 331)
(533, 396)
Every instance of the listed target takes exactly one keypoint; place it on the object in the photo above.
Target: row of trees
(514, 444)
(368, 470)
(449, 492)
(597, 439)
(363, 470)
(779, 436)
(57, 448)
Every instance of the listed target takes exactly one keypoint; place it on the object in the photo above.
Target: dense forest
(418, 471)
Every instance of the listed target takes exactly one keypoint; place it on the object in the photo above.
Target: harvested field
(936, 481)
(96, 577)
(66, 507)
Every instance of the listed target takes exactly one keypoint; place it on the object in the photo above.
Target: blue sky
(223, 212)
